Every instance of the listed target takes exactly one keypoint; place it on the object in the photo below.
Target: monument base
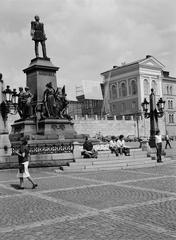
(46, 129)
(60, 128)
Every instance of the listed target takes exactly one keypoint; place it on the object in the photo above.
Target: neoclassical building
(126, 86)
(169, 95)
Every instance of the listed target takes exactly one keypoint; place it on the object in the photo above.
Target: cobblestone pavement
(135, 204)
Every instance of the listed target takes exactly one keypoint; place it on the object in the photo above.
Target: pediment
(152, 62)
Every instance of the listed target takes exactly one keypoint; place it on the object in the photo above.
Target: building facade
(126, 86)
(169, 95)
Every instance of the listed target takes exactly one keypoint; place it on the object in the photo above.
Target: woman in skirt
(23, 159)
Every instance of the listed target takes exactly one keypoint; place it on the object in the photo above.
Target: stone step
(103, 158)
(107, 167)
(94, 161)
(112, 167)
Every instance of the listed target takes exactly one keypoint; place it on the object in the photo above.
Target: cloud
(86, 37)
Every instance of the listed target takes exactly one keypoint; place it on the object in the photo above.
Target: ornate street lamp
(10, 102)
(156, 110)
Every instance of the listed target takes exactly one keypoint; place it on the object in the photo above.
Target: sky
(86, 37)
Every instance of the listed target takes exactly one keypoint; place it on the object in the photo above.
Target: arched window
(168, 103)
(124, 89)
(171, 104)
(114, 108)
(167, 90)
(170, 90)
(133, 87)
(154, 86)
(114, 91)
(146, 87)
(171, 118)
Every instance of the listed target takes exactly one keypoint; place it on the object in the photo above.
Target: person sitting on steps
(88, 150)
(113, 146)
(122, 148)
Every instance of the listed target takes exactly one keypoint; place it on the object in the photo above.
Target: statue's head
(49, 85)
(20, 89)
(37, 18)
(26, 88)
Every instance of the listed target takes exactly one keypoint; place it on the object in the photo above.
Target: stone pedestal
(46, 129)
(5, 146)
(21, 129)
(40, 72)
(59, 128)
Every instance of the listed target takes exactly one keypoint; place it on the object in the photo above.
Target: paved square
(54, 182)
(164, 184)
(138, 204)
(169, 169)
(4, 191)
(29, 209)
(161, 214)
(115, 176)
(101, 197)
(99, 227)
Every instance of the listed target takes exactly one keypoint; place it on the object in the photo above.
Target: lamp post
(9, 103)
(156, 111)
(137, 116)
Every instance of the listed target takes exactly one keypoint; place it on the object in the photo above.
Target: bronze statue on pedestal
(38, 35)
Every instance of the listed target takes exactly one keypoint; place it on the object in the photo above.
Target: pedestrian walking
(23, 159)
(167, 139)
(158, 142)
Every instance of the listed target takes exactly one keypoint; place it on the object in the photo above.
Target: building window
(146, 87)
(170, 104)
(114, 91)
(170, 90)
(171, 118)
(154, 86)
(123, 89)
(133, 105)
(167, 90)
(123, 108)
(134, 87)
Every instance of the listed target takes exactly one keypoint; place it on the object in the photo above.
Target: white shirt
(158, 139)
(112, 143)
(120, 143)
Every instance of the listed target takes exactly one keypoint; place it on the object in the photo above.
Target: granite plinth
(62, 128)
(21, 129)
(40, 72)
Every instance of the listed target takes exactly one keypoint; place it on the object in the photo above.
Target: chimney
(148, 56)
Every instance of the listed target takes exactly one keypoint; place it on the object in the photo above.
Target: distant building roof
(90, 89)
(124, 65)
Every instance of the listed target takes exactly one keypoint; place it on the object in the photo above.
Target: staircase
(108, 161)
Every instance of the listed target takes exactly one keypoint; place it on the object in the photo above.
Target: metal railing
(48, 148)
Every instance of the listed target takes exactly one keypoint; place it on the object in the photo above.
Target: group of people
(55, 102)
(24, 103)
(118, 146)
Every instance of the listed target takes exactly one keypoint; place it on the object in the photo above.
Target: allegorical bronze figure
(38, 35)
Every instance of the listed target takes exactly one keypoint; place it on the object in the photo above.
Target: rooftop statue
(38, 35)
